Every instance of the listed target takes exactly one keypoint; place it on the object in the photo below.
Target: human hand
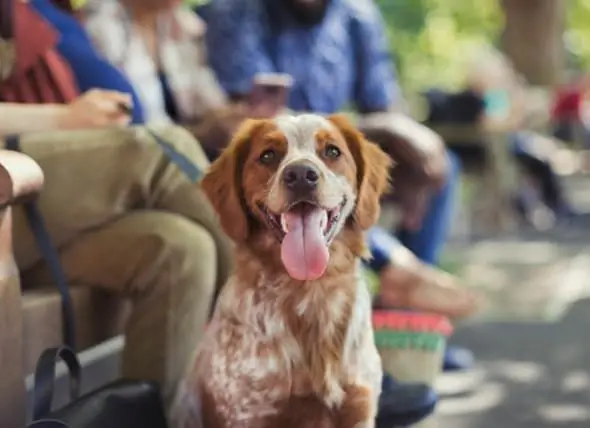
(97, 108)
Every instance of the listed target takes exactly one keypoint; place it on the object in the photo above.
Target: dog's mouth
(305, 231)
(328, 218)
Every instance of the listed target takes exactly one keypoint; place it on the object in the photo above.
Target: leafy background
(430, 39)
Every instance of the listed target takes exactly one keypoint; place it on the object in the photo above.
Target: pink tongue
(304, 251)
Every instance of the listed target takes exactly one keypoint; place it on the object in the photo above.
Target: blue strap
(45, 244)
(193, 172)
(44, 386)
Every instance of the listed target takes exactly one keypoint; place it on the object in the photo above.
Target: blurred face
(307, 12)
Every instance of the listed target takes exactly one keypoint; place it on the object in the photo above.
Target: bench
(30, 315)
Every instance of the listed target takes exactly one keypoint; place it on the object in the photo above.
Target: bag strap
(47, 423)
(45, 244)
(45, 379)
(193, 172)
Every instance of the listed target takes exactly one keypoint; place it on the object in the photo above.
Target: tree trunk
(533, 38)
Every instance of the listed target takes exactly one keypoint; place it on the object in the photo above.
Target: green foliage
(577, 35)
(431, 38)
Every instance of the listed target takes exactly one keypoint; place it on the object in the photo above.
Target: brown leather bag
(418, 153)
(36, 73)
(421, 164)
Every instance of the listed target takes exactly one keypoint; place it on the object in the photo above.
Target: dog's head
(295, 182)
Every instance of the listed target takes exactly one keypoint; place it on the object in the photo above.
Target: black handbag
(121, 404)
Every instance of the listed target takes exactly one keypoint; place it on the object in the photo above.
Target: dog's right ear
(222, 183)
(373, 166)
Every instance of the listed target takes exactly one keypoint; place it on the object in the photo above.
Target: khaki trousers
(127, 220)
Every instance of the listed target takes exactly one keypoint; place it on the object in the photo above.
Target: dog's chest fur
(269, 343)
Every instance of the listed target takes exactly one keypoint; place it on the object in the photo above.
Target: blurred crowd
(98, 74)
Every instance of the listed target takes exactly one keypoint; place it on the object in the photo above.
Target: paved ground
(532, 342)
(528, 375)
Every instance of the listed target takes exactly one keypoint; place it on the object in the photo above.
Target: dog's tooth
(284, 224)
(324, 221)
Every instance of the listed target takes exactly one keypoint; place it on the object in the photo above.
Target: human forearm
(18, 118)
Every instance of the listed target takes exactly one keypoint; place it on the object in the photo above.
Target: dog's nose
(301, 177)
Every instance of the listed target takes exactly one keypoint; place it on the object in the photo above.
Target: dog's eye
(267, 156)
(331, 151)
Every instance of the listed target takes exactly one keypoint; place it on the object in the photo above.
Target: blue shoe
(457, 359)
(402, 405)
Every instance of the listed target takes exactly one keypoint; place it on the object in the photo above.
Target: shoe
(402, 405)
(457, 359)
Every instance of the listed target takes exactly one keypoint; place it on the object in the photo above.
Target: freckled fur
(280, 352)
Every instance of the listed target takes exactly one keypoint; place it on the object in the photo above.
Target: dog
(290, 344)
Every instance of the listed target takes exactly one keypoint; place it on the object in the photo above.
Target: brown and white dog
(291, 343)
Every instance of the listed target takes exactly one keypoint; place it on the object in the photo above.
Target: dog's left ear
(373, 166)
(223, 186)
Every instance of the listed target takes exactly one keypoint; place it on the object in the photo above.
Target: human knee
(183, 142)
(180, 250)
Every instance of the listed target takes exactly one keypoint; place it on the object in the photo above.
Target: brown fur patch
(373, 166)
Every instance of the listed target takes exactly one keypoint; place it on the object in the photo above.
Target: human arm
(235, 43)
(18, 118)
(92, 109)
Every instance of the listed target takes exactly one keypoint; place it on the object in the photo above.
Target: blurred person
(570, 109)
(157, 45)
(90, 69)
(338, 55)
(491, 76)
(123, 216)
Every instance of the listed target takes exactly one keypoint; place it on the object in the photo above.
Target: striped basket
(411, 344)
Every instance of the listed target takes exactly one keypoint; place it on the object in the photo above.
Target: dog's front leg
(358, 409)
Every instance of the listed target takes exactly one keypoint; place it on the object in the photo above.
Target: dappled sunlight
(521, 253)
(460, 382)
(524, 372)
(524, 281)
(576, 381)
(487, 396)
(562, 413)
(530, 374)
